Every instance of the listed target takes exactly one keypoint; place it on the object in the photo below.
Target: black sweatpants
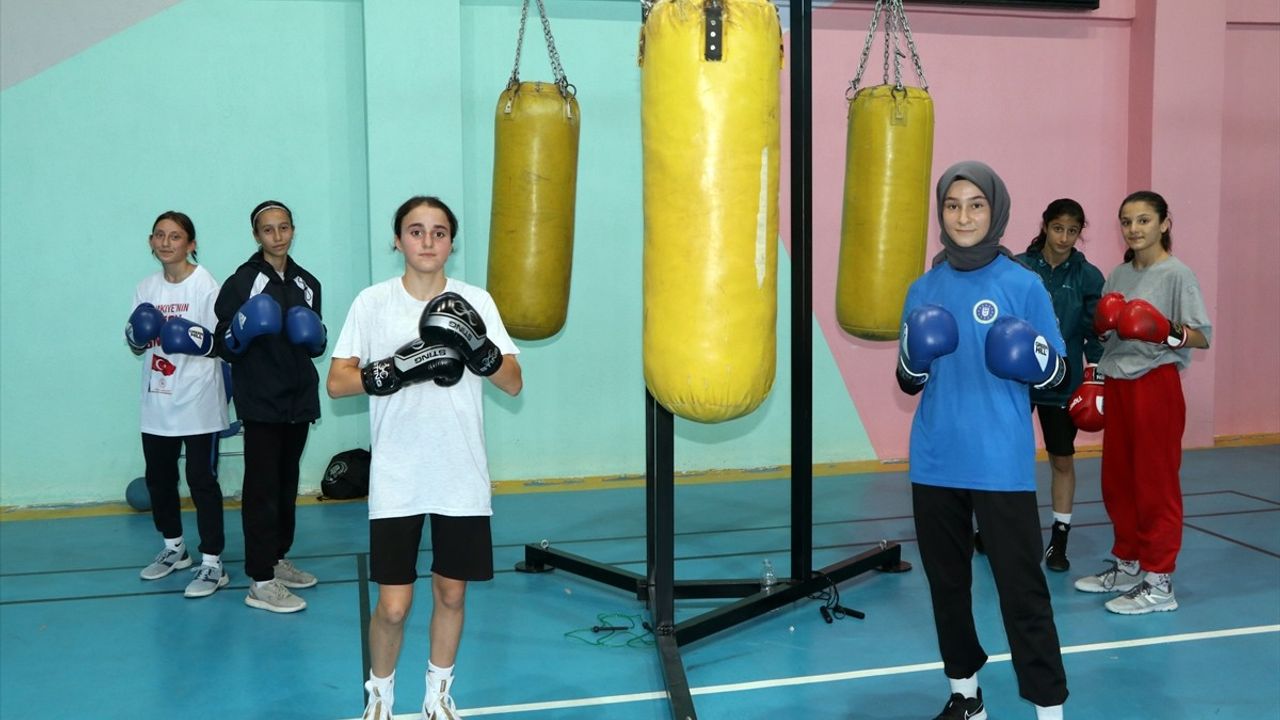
(1010, 526)
(161, 454)
(270, 496)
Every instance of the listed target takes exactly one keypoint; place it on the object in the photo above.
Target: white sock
(1053, 712)
(1129, 567)
(1161, 581)
(1064, 518)
(967, 687)
(386, 687)
(212, 560)
(438, 679)
(173, 543)
(262, 583)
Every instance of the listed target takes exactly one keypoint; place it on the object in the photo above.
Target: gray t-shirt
(1171, 287)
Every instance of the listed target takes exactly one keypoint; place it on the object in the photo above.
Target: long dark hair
(1155, 200)
(183, 221)
(1055, 210)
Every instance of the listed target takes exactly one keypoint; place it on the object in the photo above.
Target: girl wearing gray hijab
(978, 332)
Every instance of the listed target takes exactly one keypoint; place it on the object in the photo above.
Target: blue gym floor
(82, 637)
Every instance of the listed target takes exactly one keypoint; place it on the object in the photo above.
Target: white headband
(254, 220)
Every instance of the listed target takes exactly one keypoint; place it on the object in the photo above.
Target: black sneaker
(978, 547)
(960, 707)
(1055, 554)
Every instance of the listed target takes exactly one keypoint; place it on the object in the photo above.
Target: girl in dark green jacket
(1075, 286)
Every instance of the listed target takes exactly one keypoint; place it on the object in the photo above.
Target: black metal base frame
(658, 587)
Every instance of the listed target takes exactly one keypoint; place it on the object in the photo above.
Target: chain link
(895, 29)
(557, 70)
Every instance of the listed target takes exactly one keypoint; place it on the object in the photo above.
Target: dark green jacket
(1075, 286)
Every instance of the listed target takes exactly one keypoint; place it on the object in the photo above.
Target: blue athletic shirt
(972, 429)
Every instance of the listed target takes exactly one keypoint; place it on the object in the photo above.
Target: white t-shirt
(428, 441)
(181, 394)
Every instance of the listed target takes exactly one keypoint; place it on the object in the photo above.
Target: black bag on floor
(347, 476)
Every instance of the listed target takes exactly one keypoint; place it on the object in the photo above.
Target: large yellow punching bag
(535, 184)
(535, 179)
(888, 158)
(709, 117)
(885, 222)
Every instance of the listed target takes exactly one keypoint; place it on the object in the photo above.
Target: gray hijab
(972, 258)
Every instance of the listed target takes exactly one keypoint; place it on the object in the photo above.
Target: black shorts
(461, 548)
(1058, 430)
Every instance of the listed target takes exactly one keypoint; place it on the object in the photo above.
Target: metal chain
(557, 70)
(895, 28)
(866, 50)
(515, 69)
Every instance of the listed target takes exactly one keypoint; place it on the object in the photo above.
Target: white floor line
(849, 675)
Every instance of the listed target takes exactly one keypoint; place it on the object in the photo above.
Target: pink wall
(1086, 105)
(1246, 344)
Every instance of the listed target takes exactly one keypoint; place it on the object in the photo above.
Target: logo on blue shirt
(985, 312)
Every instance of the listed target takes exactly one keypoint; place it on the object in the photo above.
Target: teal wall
(341, 109)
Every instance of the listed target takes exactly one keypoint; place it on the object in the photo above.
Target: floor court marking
(849, 675)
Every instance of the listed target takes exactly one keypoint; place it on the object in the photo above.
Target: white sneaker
(1113, 579)
(1142, 599)
(379, 707)
(438, 705)
(289, 575)
(274, 597)
(208, 579)
(166, 562)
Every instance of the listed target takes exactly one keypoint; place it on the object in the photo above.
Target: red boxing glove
(1107, 314)
(1085, 407)
(1140, 320)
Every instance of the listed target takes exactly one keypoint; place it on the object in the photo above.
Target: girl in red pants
(1152, 314)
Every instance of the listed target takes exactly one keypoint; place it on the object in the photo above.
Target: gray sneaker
(274, 597)
(166, 562)
(208, 579)
(1144, 598)
(290, 576)
(1113, 579)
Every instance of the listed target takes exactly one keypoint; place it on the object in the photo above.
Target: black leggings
(270, 496)
(161, 454)
(1010, 526)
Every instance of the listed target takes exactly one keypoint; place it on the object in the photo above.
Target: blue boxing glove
(259, 315)
(1015, 351)
(303, 328)
(143, 327)
(180, 336)
(928, 333)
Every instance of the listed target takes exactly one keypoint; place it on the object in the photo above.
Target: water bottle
(767, 577)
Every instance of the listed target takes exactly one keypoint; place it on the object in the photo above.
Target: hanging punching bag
(709, 118)
(885, 222)
(535, 178)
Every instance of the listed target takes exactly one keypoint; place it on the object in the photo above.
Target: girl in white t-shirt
(421, 345)
(184, 402)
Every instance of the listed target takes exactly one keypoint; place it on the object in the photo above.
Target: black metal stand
(658, 587)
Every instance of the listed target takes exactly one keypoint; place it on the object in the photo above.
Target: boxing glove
(451, 321)
(1107, 314)
(412, 363)
(303, 328)
(143, 326)
(1140, 320)
(1085, 406)
(258, 316)
(928, 333)
(180, 336)
(1015, 351)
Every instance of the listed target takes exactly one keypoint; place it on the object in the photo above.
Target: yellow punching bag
(709, 118)
(535, 178)
(885, 223)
